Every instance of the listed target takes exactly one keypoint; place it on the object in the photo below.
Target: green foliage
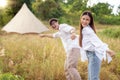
(73, 10)
(101, 9)
(112, 32)
(79, 5)
(70, 2)
(57, 8)
(48, 9)
(118, 10)
(102, 13)
(4, 18)
(112, 20)
(70, 19)
(15, 5)
(63, 20)
(10, 76)
(1, 19)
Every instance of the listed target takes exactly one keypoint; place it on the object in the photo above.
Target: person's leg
(68, 77)
(71, 65)
(94, 64)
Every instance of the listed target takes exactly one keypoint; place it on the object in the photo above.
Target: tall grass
(35, 58)
(112, 32)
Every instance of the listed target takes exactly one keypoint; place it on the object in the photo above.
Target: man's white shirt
(64, 34)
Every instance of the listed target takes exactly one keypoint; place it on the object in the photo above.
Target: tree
(15, 5)
(118, 10)
(103, 13)
(48, 9)
(1, 19)
(12, 9)
(79, 5)
(101, 9)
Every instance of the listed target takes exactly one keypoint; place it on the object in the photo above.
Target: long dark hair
(91, 25)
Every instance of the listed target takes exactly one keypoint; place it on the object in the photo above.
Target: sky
(114, 3)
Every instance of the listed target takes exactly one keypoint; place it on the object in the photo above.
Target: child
(94, 49)
(70, 42)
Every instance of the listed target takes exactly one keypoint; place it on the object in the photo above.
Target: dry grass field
(35, 58)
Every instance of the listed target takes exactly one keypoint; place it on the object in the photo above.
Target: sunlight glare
(3, 3)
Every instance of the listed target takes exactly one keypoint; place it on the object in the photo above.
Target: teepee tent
(25, 22)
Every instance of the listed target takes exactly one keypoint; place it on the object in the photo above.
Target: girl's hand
(111, 53)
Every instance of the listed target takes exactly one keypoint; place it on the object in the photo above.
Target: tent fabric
(25, 22)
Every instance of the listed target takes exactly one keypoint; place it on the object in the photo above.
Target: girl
(92, 47)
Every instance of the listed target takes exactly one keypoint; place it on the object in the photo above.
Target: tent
(25, 22)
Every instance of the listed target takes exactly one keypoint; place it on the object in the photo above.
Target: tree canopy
(47, 9)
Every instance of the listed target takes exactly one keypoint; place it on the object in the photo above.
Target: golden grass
(36, 58)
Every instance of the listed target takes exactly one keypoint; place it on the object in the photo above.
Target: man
(71, 45)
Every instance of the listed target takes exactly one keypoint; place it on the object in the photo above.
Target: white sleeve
(96, 41)
(56, 35)
(67, 28)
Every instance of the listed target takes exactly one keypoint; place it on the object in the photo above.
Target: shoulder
(87, 29)
(63, 25)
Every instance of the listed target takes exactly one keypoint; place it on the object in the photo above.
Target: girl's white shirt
(91, 42)
(64, 33)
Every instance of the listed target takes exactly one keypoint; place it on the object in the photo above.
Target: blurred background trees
(67, 11)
